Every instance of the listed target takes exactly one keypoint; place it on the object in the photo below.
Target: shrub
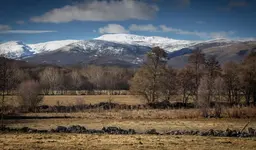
(29, 93)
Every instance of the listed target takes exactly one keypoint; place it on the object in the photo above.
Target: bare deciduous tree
(196, 62)
(186, 83)
(51, 79)
(168, 82)
(76, 80)
(248, 78)
(146, 81)
(232, 82)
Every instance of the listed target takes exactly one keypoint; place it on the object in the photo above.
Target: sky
(34, 21)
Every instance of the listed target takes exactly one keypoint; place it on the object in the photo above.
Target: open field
(67, 100)
(121, 142)
(140, 120)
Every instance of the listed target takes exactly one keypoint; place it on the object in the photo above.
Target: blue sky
(34, 21)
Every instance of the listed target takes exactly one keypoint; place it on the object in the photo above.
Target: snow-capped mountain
(50, 46)
(151, 41)
(20, 50)
(16, 49)
(124, 49)
(93, 51)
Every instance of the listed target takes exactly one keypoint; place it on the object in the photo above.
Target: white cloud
(116, 28)
(148, 27)
(96, 10)
(113, 28)
(221, 34)
(25, 31)
(20, 22)
(4, 27)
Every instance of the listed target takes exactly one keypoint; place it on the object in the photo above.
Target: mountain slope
(234, 51)
(50, 46)
(150, 41)
(16, 50)
(93, 51)
(124, 49)
(20, 50)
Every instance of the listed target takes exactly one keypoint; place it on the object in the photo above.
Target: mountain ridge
(123, 48)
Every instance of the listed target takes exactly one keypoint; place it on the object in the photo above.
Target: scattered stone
(61, 129)
(152, 131)
(25, 129)
(251, 131)
(228, 132)
(131, 131)
(203, 133)
(76, 129)
(115, 130)
(210, 132)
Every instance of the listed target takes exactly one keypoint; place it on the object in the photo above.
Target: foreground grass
(121, 142)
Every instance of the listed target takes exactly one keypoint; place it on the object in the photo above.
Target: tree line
(54, 79)
(203, 80)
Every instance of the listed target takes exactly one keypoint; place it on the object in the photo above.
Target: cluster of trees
(84, 78)
(54, 79)
(203, 80)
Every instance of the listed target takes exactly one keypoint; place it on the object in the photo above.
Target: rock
(211, 132)
(111, 130)
(93, 131)
(228, 132)
(61, 129)
(25, 129)
(76, 129)
(31, 131)
(244, 134)
(152, 131)
(194, 132)
(131, 131)
(251, 131)
(115, 130)
(42, 131)
(234, 133)
(219, 133)
(203, 133)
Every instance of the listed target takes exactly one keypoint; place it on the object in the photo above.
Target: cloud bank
(113, 10)
(112, 28)
(116, 28)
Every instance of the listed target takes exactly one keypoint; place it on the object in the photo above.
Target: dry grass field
(140, 120)
(67, 100)
(121, 142)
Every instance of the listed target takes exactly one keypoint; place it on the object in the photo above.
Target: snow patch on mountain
(100, 47)
(151, 41)
(50, 46)
(16, 49)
